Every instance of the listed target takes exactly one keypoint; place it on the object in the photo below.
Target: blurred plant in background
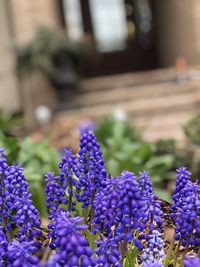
(37, 158)
(192, 131)
(55, 55)
(124, 148)
(41, 52)
(8, 126)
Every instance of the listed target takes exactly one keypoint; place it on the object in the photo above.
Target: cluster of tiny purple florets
(121, 212)
(108, 253)
(121, 207)
(73, 247)
(19, 213)
(61, 189)
(186, 209)
(155, 214)
(154, 253)
(91, 168)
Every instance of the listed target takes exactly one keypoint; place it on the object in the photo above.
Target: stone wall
(178, 34)
(29, 15)
(19, 20)
(9, 100)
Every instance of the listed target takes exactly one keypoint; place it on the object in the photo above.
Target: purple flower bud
(21, 254)
(154, 252)
(108, 253)
(185, 209)
(72, 246)
(191, 262)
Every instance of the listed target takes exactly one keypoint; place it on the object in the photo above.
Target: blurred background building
(122, 36)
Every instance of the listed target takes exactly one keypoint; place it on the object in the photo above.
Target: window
(73, 18)
(109, 24)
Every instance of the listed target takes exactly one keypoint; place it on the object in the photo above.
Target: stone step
(139, 78)
(167, 125)
(155, 101)
(136, 93)
(129, 79)
(145, 106)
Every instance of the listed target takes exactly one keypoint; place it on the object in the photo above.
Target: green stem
(169, 254)
(86, 213)
(176, 253)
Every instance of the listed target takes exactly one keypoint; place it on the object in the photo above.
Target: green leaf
(38, 196)
(165, 161)
(131, 257)
(91, 239)
(113, 167)
(163, 194)
(145, 151)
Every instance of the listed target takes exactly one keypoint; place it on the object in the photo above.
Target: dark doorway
(122, 32)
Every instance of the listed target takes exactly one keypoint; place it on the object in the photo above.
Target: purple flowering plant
(95, 219)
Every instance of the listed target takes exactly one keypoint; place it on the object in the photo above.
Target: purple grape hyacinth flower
(54, 194)
(186, 210)
(91, 167)
(16, 203)
(4, 172)
(72, 247)
(183, 176)
(68, 168)
(191, 262)
(154, 252)
(3, 248)
(20, 254)
(153, 203)
(19, 203)
(120, 206)
(145, 184)
(60, 189)
(108, 253)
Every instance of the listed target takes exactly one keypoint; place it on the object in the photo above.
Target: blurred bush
(192, 148)
(8, 126)
(192, 129)
(48, 50)
(38, 159)
(124, 149)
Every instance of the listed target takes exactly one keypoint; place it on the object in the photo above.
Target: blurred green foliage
(12, 146)
(37, 158)
(41, 52)
(192, 129)
(123, 149)
(7, 140)
(7, 122)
